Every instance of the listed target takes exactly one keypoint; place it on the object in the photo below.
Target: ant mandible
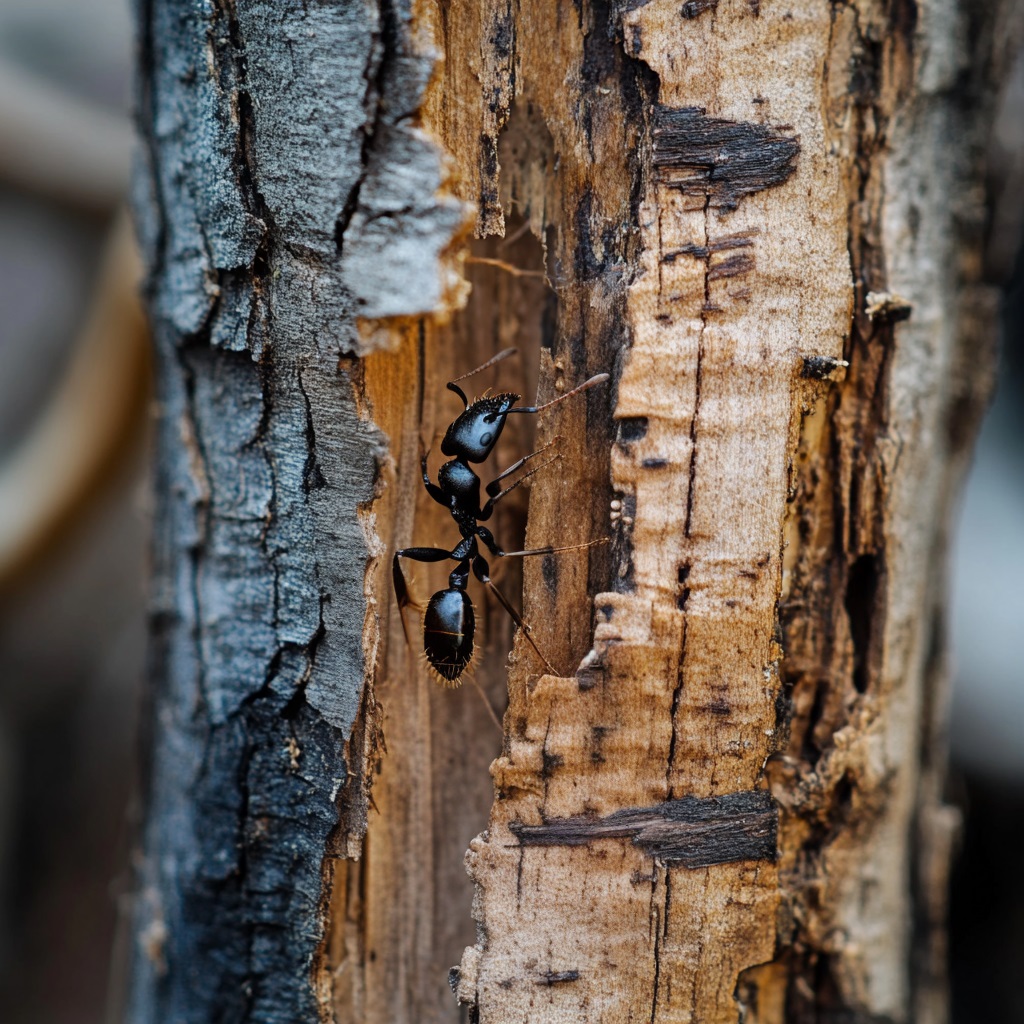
(448, 621)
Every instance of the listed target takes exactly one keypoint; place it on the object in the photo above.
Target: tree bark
(765, 220)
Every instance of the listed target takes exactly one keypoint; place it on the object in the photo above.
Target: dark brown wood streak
(693, 832)
(721, 160)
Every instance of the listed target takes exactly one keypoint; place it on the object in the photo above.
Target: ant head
(475, 433)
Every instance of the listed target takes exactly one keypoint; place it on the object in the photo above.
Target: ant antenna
(503, 354)
(453, 385)
(598, 378)
(555, 551)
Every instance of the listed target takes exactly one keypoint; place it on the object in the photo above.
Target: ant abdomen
(448, 626)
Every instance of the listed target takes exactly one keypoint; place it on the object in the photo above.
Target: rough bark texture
(271, 213)
(764, 219)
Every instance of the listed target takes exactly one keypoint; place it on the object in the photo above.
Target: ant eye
(490, 418)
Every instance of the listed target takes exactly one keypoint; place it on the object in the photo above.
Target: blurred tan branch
(55, 145)
(90, 417)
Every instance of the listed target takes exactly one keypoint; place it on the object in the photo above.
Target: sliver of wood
(693, 832)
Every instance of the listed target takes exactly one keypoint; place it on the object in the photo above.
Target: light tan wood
(739, 224)
(683, 677)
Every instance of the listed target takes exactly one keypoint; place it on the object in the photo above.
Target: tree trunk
(765, 220)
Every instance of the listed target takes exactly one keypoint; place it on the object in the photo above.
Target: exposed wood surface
(682, 682)
(763, 219)
(775, 223)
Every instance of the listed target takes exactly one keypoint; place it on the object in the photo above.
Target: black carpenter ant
(448, 621)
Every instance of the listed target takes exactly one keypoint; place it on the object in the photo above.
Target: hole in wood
(631, 429)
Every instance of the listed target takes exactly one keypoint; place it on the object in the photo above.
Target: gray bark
(267, 218)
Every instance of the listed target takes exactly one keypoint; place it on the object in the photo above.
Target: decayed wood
(682, 680)
(693, 832)
(780, 199)
(730, 802)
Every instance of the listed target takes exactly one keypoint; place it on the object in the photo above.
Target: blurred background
(73, 446)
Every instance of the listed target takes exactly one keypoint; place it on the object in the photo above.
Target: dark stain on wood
(719, 159)
(694, 832)
(703, 252)
(819, 367)
(732, 266)
(684, 591)
(488, 172)
(503, 34)
(699, 252)
(558, 977)
(551, 762)
(632, 428)
(549, 573)
(695, 8)
(586, 262)
(864, 602)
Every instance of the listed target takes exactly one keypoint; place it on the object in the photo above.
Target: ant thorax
(461, 485)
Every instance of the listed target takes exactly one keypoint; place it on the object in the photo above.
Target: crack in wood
(558, 977)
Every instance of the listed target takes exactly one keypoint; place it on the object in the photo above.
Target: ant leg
(493, 488)
(453, 385)
(485, 512)
(487, 703)
(398, 577)
(553, 551)
(481, 570)
(432, 489)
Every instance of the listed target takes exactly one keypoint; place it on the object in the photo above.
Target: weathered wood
(776, 209)
(764, 220)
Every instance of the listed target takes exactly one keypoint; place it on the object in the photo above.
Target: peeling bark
(270, 223)
(765, 221)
